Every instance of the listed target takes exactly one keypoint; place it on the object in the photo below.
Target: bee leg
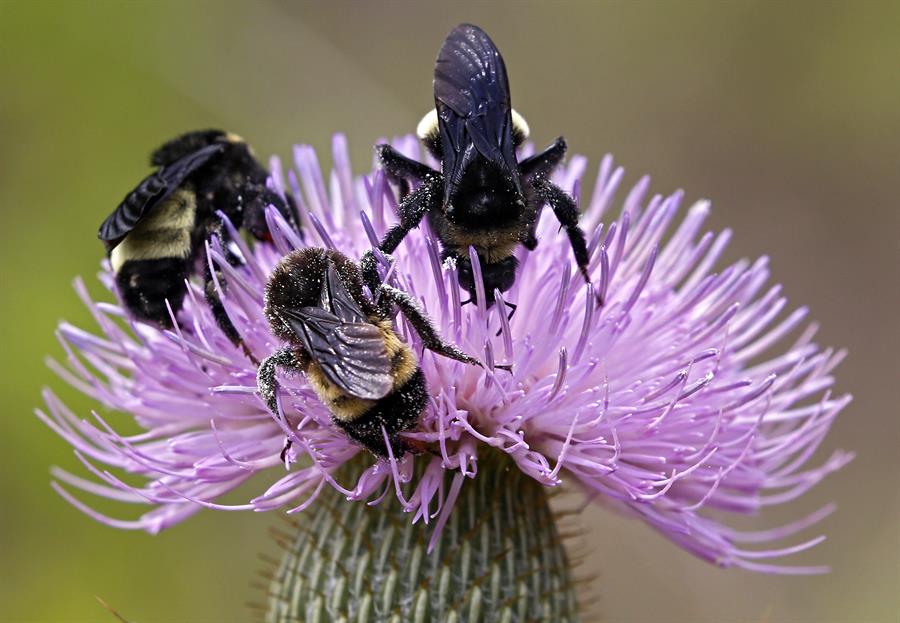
(294, 211)
(286, 206)
(267, 385)
(266, 382)
(403, 189)
(220, 315)
(566, 212)
(368, 266)
(530, 239)
(543, 163)
(410, 308)
(412, 209)
(211, 293)
(399, 168)
(283, 454)
(512, 310)
(372, 279)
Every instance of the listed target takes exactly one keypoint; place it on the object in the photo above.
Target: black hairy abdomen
(145, 285)
(397, 412)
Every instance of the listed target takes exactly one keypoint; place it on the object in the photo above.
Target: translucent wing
(352, 355)
(336, 299)
(338, 336)
(471, 94)
(152, 190)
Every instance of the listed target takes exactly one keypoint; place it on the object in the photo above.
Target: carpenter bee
(347, 347)
(483, 196)
(156, 236)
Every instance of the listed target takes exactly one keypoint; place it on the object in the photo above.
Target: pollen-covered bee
(483, 196)
(346, 345)
(156, 236)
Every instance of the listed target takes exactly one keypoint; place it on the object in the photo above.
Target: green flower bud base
(500, 558)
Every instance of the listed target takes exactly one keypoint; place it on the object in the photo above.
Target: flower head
(684, 393)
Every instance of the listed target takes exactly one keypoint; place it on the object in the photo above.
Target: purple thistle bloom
(670, 401)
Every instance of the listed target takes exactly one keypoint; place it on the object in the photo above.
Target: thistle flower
(672, 400)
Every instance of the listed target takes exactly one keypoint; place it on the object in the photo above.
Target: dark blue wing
(471, 95)
(152, 190)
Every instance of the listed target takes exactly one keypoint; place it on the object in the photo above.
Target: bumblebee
(155, 237)
(346, 346)
(483, 196)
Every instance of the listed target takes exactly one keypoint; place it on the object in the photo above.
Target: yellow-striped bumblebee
(156, 236)
(483, 196)
(347, 347)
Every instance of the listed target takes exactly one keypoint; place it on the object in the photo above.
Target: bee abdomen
(397, 412)
(164, 233)
(146, 285)
(151, 263)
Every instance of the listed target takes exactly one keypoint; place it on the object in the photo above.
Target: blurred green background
(787, 117)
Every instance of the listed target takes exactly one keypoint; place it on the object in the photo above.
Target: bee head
(189, 143)
(255, 199)
(297, 282)
(495, 275)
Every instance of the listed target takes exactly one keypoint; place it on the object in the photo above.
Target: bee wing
(471, 95)
(152, 190)
(352, 355)
(337, 299)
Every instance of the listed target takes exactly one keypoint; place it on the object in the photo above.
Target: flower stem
(499, 558)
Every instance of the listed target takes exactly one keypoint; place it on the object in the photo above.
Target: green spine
(499, 558)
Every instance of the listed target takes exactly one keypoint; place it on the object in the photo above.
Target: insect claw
(283, 456)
